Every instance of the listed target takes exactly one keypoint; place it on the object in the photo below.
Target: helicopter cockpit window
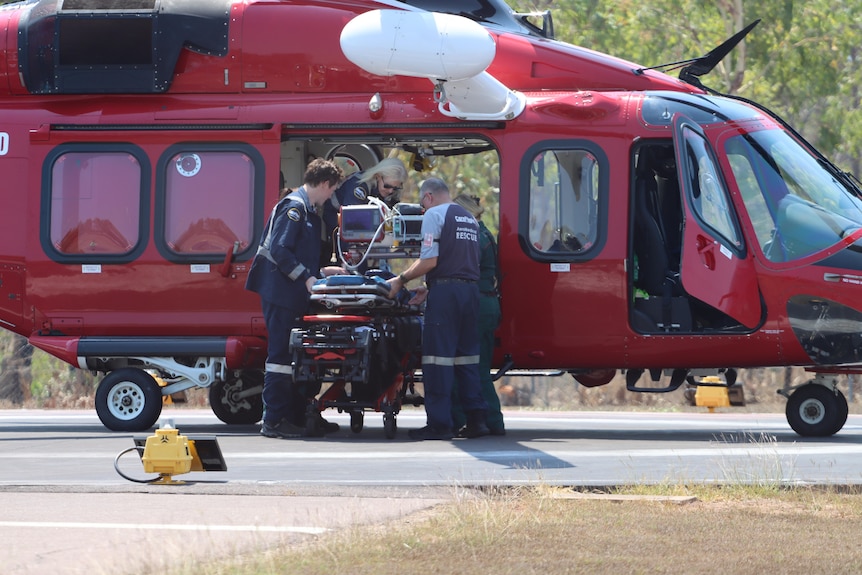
(564, 187)
(95, 203)
(659, 108)
(709, 198)
(208, 202)
(797, 207)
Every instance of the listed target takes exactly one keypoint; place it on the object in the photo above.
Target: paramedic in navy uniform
(384, 180)
(282, 273)
(449, 259)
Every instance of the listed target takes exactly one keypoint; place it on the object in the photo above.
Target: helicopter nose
(829, 332)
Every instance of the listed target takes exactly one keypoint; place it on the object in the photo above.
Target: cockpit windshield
(796, 205)
(659, 109)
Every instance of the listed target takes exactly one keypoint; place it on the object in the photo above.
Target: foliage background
(802, 61)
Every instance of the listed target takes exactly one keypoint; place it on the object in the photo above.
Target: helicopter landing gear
(816, 410)
(128, 399)
(238, 399)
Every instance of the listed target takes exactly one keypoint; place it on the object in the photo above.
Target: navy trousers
(450, 350)
(281, 397)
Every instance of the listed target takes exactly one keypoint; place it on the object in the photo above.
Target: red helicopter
(646, 223)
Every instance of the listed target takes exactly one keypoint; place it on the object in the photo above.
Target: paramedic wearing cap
(384, 180)
(283, 271)
(449, 259)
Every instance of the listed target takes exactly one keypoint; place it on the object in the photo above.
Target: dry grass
(524, 532)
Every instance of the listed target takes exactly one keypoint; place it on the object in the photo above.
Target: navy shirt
(288, 254)
(451, 233)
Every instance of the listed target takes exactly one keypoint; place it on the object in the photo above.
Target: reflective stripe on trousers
(278, 368)
(446, 361)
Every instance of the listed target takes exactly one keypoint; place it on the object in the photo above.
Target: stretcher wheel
(357, 420)
(313, 427)
(390, 426)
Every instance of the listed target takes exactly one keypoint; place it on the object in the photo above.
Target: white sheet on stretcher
(347, 300)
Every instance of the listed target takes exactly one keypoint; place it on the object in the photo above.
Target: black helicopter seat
(660, 303)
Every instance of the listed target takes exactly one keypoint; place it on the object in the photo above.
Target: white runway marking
(719, 448)
(164, 527)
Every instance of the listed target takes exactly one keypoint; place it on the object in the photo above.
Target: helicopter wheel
(128, 399)
(232, 404)
(814, 410)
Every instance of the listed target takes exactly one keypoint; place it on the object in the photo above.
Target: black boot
(476, 426)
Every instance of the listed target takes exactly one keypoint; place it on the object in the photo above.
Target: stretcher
(356, 292)
(364, 346)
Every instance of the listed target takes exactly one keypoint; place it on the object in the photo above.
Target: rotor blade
(705, 64)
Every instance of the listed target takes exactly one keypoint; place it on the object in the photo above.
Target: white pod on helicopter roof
(418, 44)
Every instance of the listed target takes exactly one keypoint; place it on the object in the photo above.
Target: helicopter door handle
(706, 251)
(228, 258)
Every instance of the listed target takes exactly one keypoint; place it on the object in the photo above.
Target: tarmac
(98, 530)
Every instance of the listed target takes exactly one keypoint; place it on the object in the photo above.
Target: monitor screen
(360, 223)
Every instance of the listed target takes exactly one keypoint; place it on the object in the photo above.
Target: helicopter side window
(208, 202)
(563, 203)
(709, 198)
(95, 203)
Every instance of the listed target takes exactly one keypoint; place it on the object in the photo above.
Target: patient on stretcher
(359, 291)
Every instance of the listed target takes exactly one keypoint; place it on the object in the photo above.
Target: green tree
(802, 61)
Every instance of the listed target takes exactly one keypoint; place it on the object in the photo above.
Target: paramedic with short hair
(449, 259)
(283, 272)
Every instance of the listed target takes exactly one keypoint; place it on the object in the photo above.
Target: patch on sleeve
(428, 240)
(293, 214)
(360, 194)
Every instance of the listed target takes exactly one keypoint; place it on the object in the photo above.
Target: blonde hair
(391, 168)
